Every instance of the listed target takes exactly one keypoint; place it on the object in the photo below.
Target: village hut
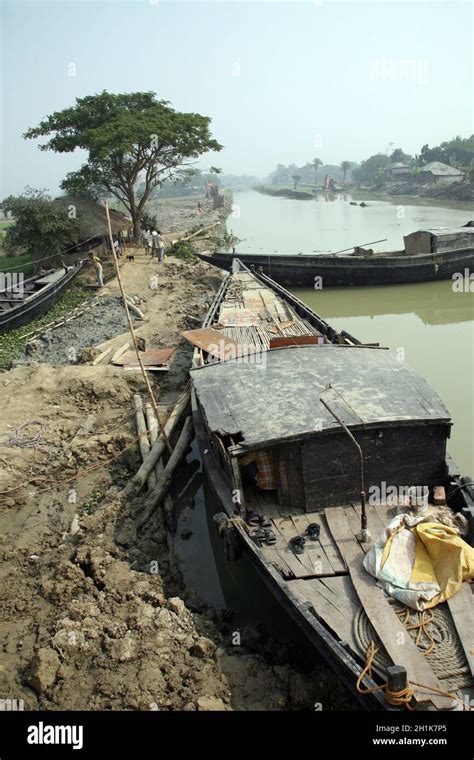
(91, 223)
(436, 172)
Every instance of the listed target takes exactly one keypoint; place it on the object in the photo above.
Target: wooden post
(132, 332)
(396, 678)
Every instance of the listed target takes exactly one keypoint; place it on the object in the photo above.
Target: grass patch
(182, 250)
(22, 263)
(12, 343)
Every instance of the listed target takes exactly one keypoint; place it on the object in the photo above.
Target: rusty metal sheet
(216, 343)
(154, 357)
(294, 340)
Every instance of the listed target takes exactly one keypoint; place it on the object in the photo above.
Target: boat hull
(302, 271)
(339, 659)
(37, 305)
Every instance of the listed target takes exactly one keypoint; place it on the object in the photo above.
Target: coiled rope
(401, 698)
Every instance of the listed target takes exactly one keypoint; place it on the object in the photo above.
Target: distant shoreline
(356, 193)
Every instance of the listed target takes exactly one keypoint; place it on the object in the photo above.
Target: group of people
(153, 243)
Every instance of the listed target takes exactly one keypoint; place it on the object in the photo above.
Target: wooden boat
(428, 255)
(264, 364)
(24, 301)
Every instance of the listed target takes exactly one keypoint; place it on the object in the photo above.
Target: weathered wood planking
(327, 542)
(307, 565)
(389, 628)
(461, 607)
(342, 586)
(314, 549)
(323, 606)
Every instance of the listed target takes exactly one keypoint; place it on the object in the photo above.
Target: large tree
(128, 138)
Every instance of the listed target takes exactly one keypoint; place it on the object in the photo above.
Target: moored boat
(22, 300)
(297, 425)
(434, 254)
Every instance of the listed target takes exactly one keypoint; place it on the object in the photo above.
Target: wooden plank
(153, 357)
(313, 549)
(309, 591)
(301, 565)
(339, 598)
(342, 584)
(395, 638)
(353, 521)
(461, 607)
(327, 542)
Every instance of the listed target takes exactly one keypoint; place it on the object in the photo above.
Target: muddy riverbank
(94, 614)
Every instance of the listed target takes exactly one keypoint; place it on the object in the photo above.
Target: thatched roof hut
(91, 218)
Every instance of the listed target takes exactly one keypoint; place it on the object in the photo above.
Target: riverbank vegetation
(376, 171)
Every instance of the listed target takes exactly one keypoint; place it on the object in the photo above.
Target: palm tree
(316, 163)
(345, 166)
(296, 178)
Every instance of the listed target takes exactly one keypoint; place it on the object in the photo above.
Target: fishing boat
(434, 254)
(297, 424)
(21, 300)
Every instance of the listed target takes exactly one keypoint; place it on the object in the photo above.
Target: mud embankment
(457, 191)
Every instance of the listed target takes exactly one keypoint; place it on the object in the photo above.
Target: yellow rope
(398, 698)
(425, 617)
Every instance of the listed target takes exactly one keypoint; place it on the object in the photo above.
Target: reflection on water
(433, 326)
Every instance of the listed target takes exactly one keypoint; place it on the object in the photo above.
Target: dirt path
(91, 614)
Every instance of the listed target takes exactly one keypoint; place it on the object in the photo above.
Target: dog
(130, 258)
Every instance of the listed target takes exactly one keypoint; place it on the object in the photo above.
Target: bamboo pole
(132, 332)
(164, 481)
(143, 440)
(152, 426)
(139, 479)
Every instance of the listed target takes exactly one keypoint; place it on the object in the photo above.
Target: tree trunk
(137, 231)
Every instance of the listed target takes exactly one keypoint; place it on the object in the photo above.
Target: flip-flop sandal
(270, 538)
(297, 544)
(265, 522)
(313, 530)
(258, 536)
(252, 518)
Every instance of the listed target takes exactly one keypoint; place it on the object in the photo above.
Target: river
(430, 323)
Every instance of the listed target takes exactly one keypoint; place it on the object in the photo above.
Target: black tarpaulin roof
(276, 395)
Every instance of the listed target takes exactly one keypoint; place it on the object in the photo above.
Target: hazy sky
(282, 81)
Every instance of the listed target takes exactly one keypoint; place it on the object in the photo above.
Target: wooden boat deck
(253, 315)
(330, 580)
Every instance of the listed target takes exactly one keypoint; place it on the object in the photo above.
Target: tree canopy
(457, 152)
(128, 138)
(42, 227)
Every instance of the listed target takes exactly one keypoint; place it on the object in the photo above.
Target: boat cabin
(439, 240)
(271, 431)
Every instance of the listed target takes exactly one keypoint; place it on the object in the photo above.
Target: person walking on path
(97, 264)
(158, 245)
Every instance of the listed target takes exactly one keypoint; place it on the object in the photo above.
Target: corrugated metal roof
(436, 167)
(279, 398)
